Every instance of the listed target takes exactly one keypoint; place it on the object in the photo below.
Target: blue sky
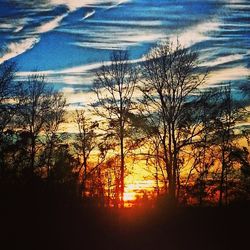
(68, 39)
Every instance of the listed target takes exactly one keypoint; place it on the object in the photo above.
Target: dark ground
(51, 222)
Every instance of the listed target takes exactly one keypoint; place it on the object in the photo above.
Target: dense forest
(160, 114)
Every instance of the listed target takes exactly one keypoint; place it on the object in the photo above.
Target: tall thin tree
(114, 87)
(169, 80)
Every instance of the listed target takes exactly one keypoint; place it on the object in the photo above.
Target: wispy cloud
(88, 15)
(112, 37)
(13, 24)
(14, 49)
(230, 74)
(29, 36)
(142, 23)
(195, 34)
(50, 25)
(22, 45)
(28, 39)
(222, 60)
(75, 4)
(6, 26)
(241, 5)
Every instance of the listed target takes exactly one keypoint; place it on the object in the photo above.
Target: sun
(135, 190)
(129, 196)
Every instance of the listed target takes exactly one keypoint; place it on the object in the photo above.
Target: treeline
(158, 114)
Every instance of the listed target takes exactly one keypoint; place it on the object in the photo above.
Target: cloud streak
(51, 25)
(16, 48)
(75, 4)
(22, 45)
(88, 15)
(195, 34)
(30, 36)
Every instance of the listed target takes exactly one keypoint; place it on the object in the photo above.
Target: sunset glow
(124, 124)
(130, 196)
(138, 190)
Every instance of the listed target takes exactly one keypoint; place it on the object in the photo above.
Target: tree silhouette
(8, 108)
(52, 138)
(88, 146)
(169, 78)
(39, 116)
(114, 86)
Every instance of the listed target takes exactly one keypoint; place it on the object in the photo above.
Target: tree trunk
(222, 178)
(2, 163)
(157, 181)
(84, 177)
(122, 169)
(32, 155)
(49, 160)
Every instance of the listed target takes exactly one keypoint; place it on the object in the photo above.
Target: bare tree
(228, 114)
(202, 151)
(41, 112)
(54, 118)
(245, 90)
(85, 144)
(114, 86)
(8, 108)
(8, 91)
(149, 146)
(169, 80)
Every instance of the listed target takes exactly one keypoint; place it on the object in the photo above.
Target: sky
(67, 40)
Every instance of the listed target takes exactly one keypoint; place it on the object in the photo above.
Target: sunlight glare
(137, 189)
